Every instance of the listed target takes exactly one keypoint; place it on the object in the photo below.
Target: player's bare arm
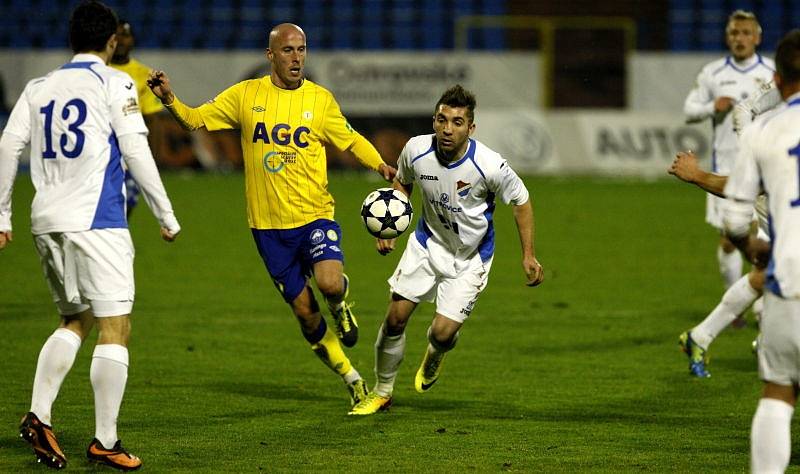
(523, 216)
(686, 168)
(5, 238)
(386, 246)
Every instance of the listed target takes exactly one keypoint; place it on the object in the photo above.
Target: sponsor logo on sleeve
(130, 107)
(332, 235)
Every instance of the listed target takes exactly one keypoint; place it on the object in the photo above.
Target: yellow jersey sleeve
(223, 111)
(335, 129)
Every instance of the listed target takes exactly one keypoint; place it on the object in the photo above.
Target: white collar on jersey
(746, 63)
(86, 58)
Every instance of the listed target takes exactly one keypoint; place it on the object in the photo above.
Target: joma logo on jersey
(428, 177)
(281, 134)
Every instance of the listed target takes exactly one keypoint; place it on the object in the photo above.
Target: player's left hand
(167, 235)
(388, 172)
(684, 166)
(5, 238)
(385, 246)
(533, 270)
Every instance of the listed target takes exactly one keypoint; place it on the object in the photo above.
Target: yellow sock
(330, 352)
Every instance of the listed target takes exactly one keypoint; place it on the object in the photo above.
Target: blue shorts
(290, 254)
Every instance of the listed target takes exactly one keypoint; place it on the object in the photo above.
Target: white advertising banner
(522, 137)
(411, 83)
(638, 143)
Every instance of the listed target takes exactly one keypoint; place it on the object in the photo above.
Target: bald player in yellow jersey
(285, 121)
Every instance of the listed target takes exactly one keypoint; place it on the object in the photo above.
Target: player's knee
(394, 327)
(331, 286)
(441, 339)
(756, 279)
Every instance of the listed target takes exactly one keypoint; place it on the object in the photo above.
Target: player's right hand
(684, 166)
(158, 82)
(385, 246)
(5, 238)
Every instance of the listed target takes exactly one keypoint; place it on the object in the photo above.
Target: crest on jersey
(130, 107)
(463, 188)
(258, 108)
(316, 236)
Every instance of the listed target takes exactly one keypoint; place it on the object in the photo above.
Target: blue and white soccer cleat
(698, 357)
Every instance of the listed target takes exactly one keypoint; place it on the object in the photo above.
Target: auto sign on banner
(637, 143)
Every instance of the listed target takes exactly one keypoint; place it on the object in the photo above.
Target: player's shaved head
(283, 31)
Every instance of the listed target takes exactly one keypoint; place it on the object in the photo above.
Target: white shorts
(90, 269)
(779, 342)
(419, 277)
(714, 210)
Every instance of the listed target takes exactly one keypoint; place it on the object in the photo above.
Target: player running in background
(769, 161)
(80, 120)
(448, 258)
(285, 121)
(149, 105)
(741, 295)
(720, 85)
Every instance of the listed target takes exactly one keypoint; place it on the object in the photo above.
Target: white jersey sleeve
(126, 117)
(15, 136)
(506, 184)
(699, 104)
(768, 98)
(405, 172)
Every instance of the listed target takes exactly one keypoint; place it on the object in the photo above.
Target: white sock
(351, 376)
(734, 302)
(389, 353)
(730, 266)
(109, 372)
(55, 359)
(770, 436)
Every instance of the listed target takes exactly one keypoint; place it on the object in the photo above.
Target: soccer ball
(386, 213)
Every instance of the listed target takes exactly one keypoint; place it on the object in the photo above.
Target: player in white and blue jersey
(448, 257)
(80, 121)
(769, 161)
(720, 85)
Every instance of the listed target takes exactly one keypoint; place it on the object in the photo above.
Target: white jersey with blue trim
(769, 157)
(72, 118)
(458, 198)
(726, 78)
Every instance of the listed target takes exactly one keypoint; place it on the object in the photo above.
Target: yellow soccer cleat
(345, 320)
(358, 391)
(372, 404)
(428, 372)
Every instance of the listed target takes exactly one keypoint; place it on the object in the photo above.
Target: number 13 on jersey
(73, 113)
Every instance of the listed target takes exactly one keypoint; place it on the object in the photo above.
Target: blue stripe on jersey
(772, 283)
(110, 211)
(83, 65)
(423, 154)
(469, 155)
(713, 161)
(423, 232)
(794, 102)
(729, 62)
(486, 247)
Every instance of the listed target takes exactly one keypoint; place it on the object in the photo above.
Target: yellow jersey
(283, 133)
(148, 102)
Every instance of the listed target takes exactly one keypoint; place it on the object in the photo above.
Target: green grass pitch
(582, 374)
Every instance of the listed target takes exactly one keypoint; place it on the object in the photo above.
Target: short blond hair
(744, 15)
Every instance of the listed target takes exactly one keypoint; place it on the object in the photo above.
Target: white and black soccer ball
(386, 213)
